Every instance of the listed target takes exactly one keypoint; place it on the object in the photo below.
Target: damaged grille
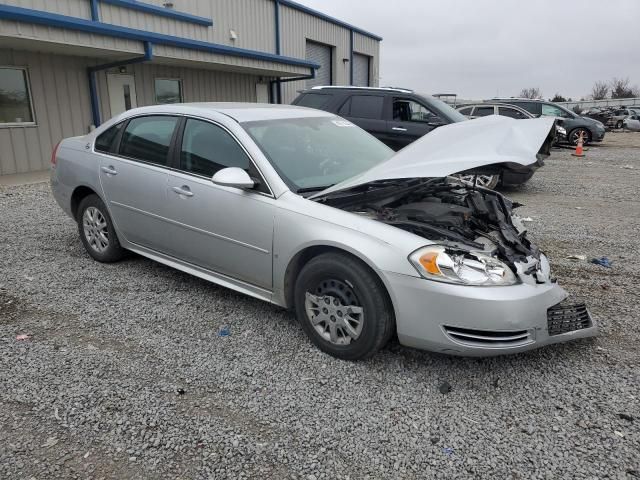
(489, 338)
(567, 317)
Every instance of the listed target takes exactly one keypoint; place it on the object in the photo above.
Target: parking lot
(125, 373)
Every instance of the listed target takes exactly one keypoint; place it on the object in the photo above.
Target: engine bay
(446, 211)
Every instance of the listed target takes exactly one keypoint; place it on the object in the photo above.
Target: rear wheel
(486, 181)
(619, 124)
(96, 230)
(343, 307)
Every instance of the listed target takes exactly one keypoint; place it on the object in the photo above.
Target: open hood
(460, 147)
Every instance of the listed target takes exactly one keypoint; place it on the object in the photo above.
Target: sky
(486, 48)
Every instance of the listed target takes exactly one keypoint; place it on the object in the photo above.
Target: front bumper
(477, 321)
(597, 135)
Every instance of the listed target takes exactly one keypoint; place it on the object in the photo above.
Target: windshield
(447, 110)
(314, 153)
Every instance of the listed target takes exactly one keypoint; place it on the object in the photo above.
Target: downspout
(95, 13)
(351, 57)
(311, 76)
(93, 84)
(276, 4)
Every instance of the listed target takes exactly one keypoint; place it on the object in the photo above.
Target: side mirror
(233, 177)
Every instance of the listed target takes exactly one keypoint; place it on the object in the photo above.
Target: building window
(15, 97)
(168, 90)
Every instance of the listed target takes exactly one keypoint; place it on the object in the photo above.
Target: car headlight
(442, 264)
(561, 130)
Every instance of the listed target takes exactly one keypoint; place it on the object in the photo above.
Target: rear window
(313, 100)
(465, 111)
(106, 141)
(363, 106)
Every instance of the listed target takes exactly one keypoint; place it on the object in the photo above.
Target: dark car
(398, 117)
(591, 130)
(484, 109)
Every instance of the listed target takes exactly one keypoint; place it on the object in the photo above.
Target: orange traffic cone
(579, 148)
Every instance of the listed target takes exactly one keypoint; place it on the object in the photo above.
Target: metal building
(68, 65)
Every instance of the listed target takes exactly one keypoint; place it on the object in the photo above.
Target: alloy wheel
(575, 136)
(486, 181)
(95, 229)
(335, 312)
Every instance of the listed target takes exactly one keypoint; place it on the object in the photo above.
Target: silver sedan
(305, 210)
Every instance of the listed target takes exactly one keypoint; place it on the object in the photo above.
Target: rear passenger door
(409, 121)
(366, 111)
(133, 176)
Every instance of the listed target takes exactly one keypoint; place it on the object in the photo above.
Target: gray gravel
(125, 376)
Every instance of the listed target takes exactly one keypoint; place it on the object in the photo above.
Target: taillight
(54, 159)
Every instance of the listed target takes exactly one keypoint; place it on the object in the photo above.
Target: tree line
(616, 88)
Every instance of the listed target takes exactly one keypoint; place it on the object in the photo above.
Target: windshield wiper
(313, 189)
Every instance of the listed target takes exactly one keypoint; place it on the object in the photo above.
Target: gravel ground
(125, 374)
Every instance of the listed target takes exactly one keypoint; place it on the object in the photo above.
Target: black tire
(619, 124)
(575, 134)
(112, 252)
(368, 292)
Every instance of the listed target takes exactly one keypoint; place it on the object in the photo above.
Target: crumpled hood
(458, 147)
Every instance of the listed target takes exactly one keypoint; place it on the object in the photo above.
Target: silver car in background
(305, 210)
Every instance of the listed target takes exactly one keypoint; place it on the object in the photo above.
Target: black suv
(575, 125)
(397, 117)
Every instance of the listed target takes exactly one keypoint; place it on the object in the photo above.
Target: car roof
(240, 112)
(320, 88)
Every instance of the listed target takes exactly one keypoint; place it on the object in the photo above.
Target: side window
(552, 111)
(148, 138)
(531, 107)
(363, 106)
(15, 96)
(483, 111)
(106, 140)
(207, 148)
(313, 100)
(466, 110)
(511, 112)
(405, 110)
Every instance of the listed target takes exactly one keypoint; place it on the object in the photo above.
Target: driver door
(410, 121)
(222, 229)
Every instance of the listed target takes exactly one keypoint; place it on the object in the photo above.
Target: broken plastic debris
(619, 434)
(224, 332)
(448, 451)
(602, 261)
(527, 219)
(577, 257)
(23, 336)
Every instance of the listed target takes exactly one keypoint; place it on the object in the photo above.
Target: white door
(262, 93)
(122, 93)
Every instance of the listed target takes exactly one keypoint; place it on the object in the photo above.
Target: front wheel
(574, 136)
(486, 181)
(96, 230)
(619, 124)
(343, 307)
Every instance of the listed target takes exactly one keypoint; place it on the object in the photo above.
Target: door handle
(184, 190)
(398, 129)
(110, 170)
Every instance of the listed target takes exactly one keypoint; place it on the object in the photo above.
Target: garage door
(361, 70)
(320, 54)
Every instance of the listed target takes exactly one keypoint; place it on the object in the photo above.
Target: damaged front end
(477, 240)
